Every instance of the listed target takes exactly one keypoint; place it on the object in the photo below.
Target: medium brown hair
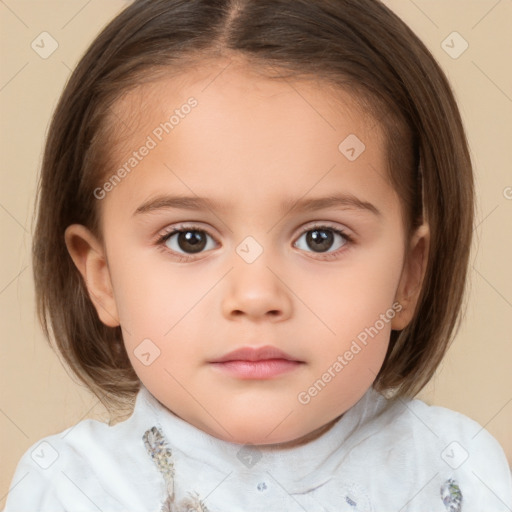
(359, 46)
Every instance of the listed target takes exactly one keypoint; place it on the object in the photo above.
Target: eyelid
(167, 232)
(349, 238)
(325, 224)
(193, 226)
(176, 228)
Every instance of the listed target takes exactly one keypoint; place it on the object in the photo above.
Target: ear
(411, 280)
(89, 257)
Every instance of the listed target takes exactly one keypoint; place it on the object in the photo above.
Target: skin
(249, 144)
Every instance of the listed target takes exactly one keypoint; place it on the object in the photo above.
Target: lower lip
(257, 369)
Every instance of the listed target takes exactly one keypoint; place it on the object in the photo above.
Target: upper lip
(255, 354)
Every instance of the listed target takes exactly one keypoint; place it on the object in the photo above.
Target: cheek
(352, 294)
(161, 300)
(156, 307)
(353, 306)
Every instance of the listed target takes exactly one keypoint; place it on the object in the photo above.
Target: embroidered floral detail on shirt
(350, 501)
(158, 449)
(451, 496)
(354, 495)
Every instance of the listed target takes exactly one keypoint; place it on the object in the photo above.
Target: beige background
(39, 397)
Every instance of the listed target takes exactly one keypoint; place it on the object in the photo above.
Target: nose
(256, 291)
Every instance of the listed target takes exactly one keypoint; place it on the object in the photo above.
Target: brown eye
(322, 239)
(188, 241)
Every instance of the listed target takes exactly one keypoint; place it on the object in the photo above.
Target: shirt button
(261, 486)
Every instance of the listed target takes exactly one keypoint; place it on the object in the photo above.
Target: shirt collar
(294, 465)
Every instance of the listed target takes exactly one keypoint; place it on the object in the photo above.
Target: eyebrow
(343, 201)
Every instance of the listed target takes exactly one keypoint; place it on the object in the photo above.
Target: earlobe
(88, 256)
(413, 274)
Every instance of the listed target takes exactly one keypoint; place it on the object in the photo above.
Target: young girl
(255, 218)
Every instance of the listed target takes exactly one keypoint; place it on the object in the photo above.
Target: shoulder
(42, 475)
(466, 439)
(454, 447)
(88, 465)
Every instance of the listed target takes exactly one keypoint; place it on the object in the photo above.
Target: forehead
(247, 136)
(229, 90)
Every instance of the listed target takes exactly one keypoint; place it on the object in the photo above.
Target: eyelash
(162, 239)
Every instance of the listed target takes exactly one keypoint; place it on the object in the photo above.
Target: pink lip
(255, 354)
(257, 369)
(256, 363)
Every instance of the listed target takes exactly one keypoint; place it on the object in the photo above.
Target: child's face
(253, 148)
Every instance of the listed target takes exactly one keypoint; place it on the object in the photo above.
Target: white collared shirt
(380, 456)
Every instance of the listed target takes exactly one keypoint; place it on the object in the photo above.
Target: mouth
(255, 354)
(256, 363)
